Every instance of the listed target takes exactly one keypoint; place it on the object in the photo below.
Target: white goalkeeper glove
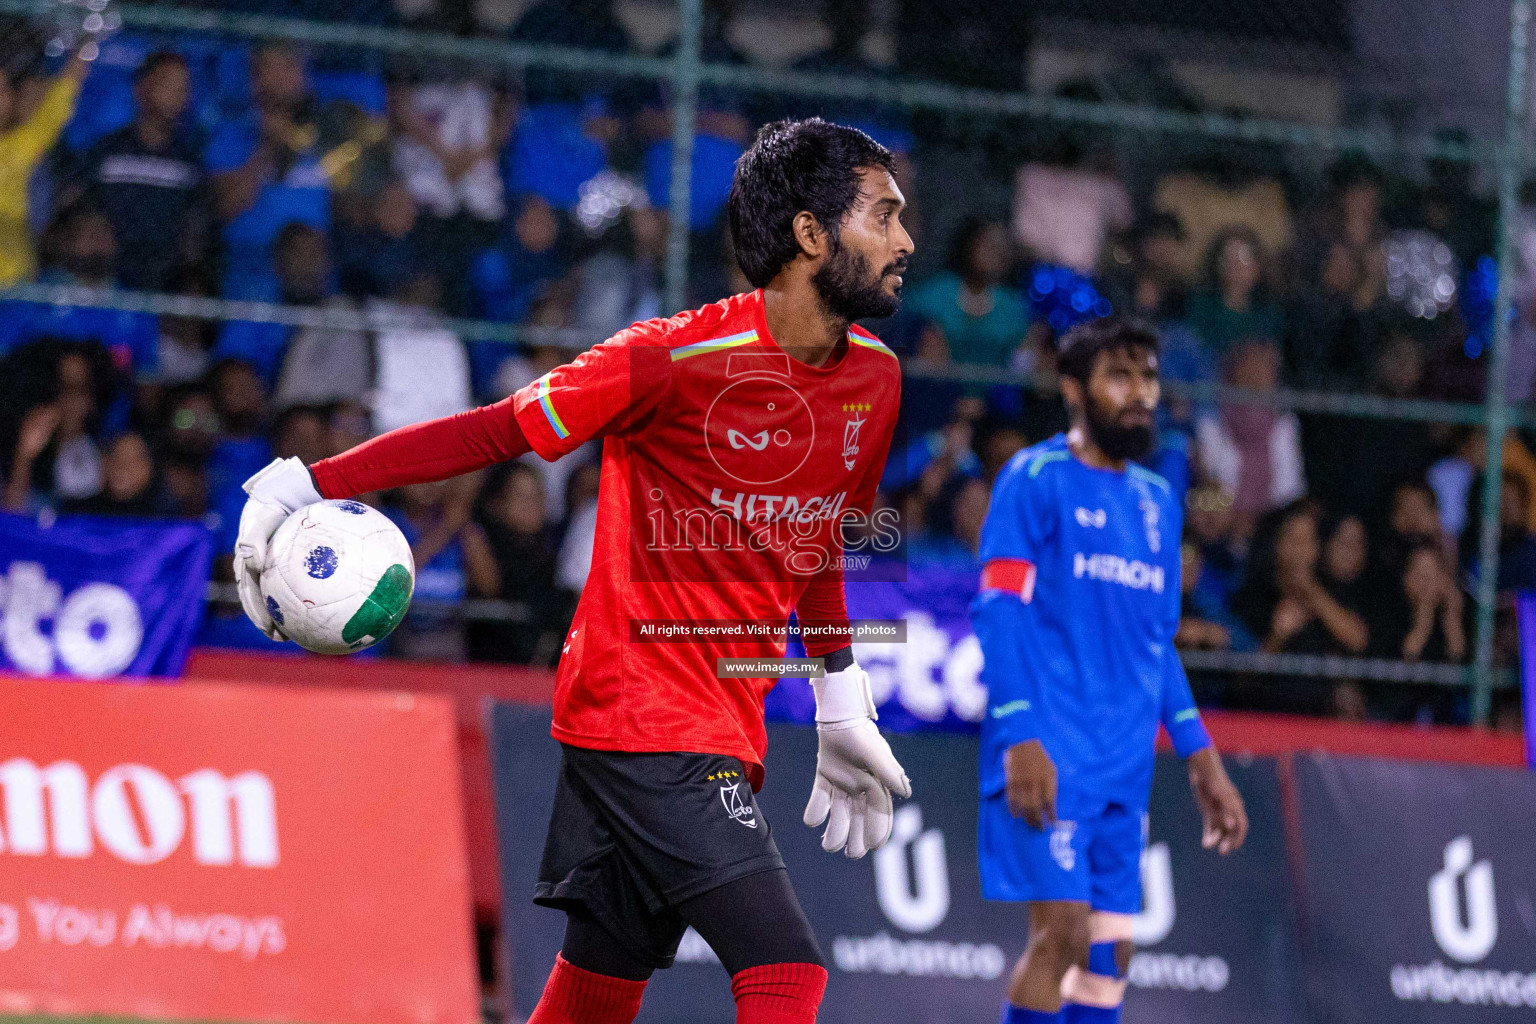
(284, 486)
(856, 773)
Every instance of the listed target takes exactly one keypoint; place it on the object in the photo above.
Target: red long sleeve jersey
(727, 466)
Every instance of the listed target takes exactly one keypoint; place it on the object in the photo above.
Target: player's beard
(850, 290)
(1117, 440)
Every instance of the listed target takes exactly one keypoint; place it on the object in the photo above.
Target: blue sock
(1018, 1015)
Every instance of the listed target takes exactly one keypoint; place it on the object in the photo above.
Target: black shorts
(634, 835)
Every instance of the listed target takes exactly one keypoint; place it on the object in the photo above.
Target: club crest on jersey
(851, 440)
(740, 810)
(1061, 845)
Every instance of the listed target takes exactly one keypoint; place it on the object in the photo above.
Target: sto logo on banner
(97, 628)
(100, 596)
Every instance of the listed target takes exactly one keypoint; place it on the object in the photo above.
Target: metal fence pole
(685, 103)
(1511, 166)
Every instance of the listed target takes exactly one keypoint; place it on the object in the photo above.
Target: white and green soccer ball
(339, 577)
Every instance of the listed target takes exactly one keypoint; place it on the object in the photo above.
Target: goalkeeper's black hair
(1079, 348)
(811, 165)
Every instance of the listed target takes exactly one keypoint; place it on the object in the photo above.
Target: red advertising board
(470, 687)
(1244, 732)
(232, 853)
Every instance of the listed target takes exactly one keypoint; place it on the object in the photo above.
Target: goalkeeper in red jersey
(738, 440)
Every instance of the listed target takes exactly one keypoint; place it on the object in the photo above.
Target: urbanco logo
(912, 888)
(137, 814)
(1164, 969)
(1467, 937)
(914, 899)
(1158, 910)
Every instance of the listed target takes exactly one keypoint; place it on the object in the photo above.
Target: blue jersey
(1076, 617)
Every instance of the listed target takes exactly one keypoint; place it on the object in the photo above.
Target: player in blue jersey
(1078, 606)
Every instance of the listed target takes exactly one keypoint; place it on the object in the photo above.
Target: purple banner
(94, 597)
(1527, 615)
(907, 936)
(932, 680)
(1420, 891)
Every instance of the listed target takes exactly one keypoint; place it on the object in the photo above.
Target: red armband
(1014, 575)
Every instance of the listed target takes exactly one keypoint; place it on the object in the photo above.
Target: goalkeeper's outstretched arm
(417, 454)
(424, 452)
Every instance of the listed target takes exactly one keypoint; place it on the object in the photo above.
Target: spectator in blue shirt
(724, 112)
(242, 448)
(557, 148)
(724, 123)
(1205, 621)
(507, 278)
(79, 248)
(266, 170)
(953, 531)
(374, 259)
(304, 276)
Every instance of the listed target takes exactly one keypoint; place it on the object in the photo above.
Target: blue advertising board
(95, 597)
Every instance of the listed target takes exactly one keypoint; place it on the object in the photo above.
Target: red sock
(574, 996)
(778, 993)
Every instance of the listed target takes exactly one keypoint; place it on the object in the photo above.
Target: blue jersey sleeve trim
(1044, 459)
(1143, 473)
(1013, 707)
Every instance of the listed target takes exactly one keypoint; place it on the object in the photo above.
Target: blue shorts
(1092, 858)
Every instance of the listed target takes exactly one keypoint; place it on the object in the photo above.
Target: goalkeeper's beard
(1116, 440)
(848, 288)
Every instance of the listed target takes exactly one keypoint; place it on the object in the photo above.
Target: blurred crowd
(397, 192)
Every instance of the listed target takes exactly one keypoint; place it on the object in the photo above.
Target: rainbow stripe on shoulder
(699, 348)
(549, 409)
(866, 341)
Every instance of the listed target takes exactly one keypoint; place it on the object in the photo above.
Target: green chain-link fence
(1183, 104)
